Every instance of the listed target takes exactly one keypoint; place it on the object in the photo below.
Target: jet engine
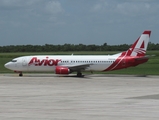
(62, 70)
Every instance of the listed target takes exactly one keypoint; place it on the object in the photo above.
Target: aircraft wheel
(20, 74)
(79, 74)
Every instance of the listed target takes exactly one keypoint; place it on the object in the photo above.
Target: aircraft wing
(78, 67)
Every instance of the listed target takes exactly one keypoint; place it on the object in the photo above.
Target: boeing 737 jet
(66, 64)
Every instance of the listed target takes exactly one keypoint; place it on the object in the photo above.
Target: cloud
(100, 6)
(26, 12)
(75, 20)
(132, 9)
(97, 7)
(127, 8)
(16, 4)
(54, 7)
(10, 2)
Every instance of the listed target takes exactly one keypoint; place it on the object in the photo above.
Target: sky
(40, 22)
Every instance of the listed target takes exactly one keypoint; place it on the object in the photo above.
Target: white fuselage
(49, 62)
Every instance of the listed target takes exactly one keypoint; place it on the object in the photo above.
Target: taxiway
(93, 97)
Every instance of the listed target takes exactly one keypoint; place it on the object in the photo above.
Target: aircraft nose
(7, 65)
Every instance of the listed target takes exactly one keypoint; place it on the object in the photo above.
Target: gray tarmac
(93, 97)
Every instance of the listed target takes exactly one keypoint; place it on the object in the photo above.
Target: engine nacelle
(62, 70)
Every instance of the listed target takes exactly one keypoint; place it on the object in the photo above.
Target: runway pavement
(93, 97)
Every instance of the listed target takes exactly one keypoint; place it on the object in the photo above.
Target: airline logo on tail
(140, 46)
(137, 50)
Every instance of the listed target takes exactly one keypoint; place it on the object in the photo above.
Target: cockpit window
(14, 60)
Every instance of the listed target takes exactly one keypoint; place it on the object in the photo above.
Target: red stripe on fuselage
(117, 62)
(132, 47)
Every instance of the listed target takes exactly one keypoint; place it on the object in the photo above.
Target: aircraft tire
(20, 74)
(79, 74)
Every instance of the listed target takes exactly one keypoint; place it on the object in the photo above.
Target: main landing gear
(79, 74)
(20, 74)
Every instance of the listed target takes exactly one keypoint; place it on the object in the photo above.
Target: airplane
(66, 64)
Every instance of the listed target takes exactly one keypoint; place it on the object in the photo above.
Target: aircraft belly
(98, 67)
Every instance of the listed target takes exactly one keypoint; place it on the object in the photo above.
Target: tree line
(69, 47)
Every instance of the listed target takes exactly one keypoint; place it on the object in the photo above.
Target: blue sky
(40, 22)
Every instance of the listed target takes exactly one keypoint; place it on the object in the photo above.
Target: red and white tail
(140, 46)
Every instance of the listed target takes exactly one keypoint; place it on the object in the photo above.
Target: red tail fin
(140, 46)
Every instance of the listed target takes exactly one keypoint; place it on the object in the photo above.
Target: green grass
(143, 69)
(2, 62)
(149, 68)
